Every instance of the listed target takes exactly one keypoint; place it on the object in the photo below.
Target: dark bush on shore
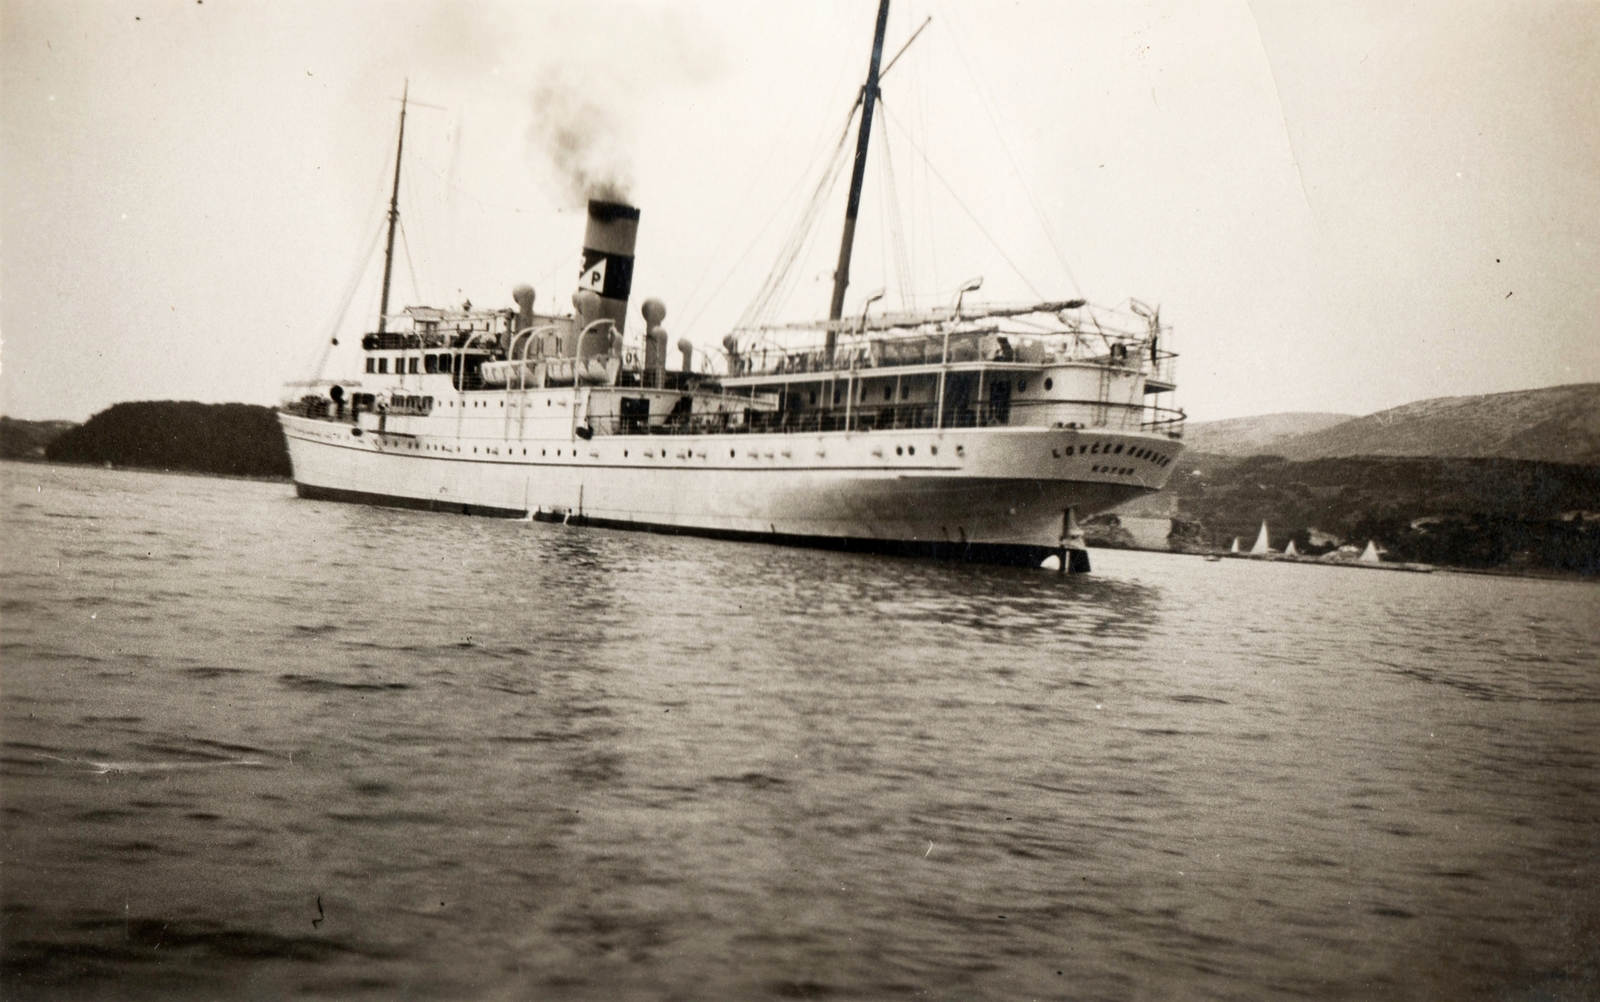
(232, 439)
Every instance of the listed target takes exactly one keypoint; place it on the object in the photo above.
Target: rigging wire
(755, 178)
(769, 295)
(947, 187)
(358, 272)
(405, 245)
(808, 241)
(927, 189)
(424, 251)
(363, 263)
(984, 101)
(799, 182)
(891, 196)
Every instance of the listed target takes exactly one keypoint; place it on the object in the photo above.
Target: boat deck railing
(950, 349)
(894, 417)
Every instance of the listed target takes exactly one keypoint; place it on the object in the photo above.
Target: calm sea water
(260, 747)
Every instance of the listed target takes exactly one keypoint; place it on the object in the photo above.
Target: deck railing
(895, 417)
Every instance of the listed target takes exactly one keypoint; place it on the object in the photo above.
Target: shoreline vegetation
(226, 439)
(1488, 515)
(1508, 516)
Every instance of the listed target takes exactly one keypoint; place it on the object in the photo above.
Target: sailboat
(1261, 549)
(1290, 551)
(1235, 547)
(980, 433)
(1370, 554)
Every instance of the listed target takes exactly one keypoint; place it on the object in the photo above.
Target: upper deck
(1048, 364)
(1044, 365)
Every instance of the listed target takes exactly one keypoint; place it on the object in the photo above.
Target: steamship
(964, 433)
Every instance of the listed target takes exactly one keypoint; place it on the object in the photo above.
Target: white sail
(1235, 547)
(1370, 554)
(1290, 551)
(1261, 548)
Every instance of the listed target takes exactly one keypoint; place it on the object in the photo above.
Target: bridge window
(888, 393)
(1049, 384)
(372, 365)
(414, 362)
(383, 366)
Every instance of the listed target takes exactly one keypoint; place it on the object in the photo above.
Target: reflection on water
(257, 746)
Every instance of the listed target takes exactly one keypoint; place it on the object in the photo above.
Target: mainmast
(841, 275)
(394, 207)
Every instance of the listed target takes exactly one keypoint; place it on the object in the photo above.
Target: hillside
(232, 439)
(1558, 424)
(1254, 436)
(27, 439)
(1451, 511)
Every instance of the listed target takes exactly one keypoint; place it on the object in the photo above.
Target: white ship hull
(989, 494)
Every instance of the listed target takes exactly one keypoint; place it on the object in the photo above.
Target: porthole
(898, 451)
(1022, 386)
(1117, 451)
(911, 449)
(730, 453)
(1049, 384)
(933, 449)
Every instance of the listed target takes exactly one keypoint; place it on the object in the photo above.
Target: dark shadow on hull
(997, 554)
(314, 493)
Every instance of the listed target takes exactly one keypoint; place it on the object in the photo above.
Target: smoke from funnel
(582, 140)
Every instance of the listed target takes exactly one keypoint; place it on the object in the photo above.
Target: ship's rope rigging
(411, 268)
(890, 116)
(772, 294)
(361, 265)
(330, 336)
(893, 227)
(780, 282)
(987, 103)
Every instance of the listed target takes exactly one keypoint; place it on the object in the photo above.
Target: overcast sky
(1339, 207)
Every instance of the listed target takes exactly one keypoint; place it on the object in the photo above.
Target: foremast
(394, 213)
